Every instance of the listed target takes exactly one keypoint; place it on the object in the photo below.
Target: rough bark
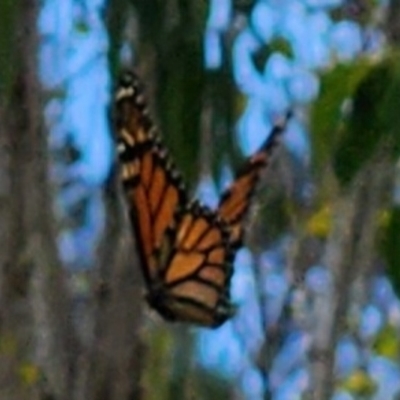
(33, 298)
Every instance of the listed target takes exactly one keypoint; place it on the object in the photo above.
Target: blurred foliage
(371, 94)
(386, 343)
(8, 344)
(209, 386)
(337, 85)
(383, 218)
(277, 45)
(320, 222)
(375, 118)
(173, 30)
(181, 114)
(359, 383)
(158, 361)
(29, 373)
(169, 372)
(225, 104)
(390, 246)
(269, 214)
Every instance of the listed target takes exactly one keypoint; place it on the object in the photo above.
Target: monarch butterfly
(186, 249)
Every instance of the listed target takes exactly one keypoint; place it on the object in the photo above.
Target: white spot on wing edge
(121, 148)
(124, 92)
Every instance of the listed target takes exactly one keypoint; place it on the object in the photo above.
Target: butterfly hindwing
(194, 285)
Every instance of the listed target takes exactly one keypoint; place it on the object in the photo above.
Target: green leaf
(359, 383)
(390, 247)
(223, 99)
(337, 85)
(386, 343)
(375, 117)
(180, 88)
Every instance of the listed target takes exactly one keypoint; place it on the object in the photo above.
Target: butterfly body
(186, 250)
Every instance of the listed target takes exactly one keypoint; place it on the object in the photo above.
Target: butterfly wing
(196, 281)
(235, 201)
(153, 187)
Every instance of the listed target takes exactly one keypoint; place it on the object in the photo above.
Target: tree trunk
(34, 315)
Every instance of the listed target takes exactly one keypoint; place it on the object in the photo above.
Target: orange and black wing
(153, 187)
(235, 201)
(186, 249)
(196, 281)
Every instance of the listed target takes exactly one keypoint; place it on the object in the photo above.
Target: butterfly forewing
(198, 273)
(154, 190)
(235, 201)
